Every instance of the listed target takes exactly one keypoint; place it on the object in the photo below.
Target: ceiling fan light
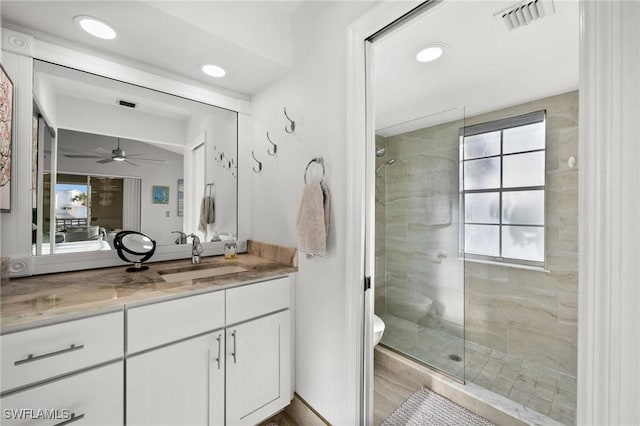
(118, 158)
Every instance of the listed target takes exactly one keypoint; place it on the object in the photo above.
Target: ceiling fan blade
(105, 160)
(102, 150)
(82, 156)
(151, 159)
(134, 164)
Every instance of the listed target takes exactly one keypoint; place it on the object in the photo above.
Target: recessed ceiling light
(431, 52)
(95, 27)
(213, 70)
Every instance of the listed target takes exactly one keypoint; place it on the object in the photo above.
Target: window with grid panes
(503, 189)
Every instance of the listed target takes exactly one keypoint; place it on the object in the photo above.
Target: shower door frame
(381, 19)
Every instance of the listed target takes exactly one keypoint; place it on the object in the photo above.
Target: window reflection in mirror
(100, 167)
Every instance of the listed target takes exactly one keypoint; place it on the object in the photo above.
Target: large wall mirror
(111, 156)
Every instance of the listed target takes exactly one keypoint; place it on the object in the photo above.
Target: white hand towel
(326, 206)
(312, 227)
(207, 213)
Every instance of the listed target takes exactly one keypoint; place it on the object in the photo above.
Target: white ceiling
(64, 81)
(251, 40)
(485, 67)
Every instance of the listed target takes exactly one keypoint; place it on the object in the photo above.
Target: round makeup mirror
(135, 248)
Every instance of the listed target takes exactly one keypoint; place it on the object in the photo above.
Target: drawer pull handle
(235, 351)
(219, 339)
(71, 419)
(33, 357)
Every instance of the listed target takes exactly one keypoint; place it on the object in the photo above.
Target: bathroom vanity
(212, 345)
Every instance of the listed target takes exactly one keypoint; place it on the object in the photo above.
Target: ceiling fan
(117, 154)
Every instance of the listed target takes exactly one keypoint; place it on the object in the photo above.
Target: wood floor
(280, 419)
(388, 393)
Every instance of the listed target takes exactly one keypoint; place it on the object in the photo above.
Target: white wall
(221, 131)
(314, 94)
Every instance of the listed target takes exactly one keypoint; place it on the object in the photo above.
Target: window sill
(507, 265)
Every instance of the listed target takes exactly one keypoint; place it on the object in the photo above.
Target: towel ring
(292, 123)
(259, 164)
(275, 147)
(318, 160)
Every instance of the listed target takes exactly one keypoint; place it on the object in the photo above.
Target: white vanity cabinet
(179, 384)
(211, 359)
(64, 373)
(94, 397)
(258, 368)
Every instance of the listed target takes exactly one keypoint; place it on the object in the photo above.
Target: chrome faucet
(182, 239)
(196, 248)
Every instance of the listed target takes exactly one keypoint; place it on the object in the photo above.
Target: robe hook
(259, 163)
(275, 147)
(293, 123)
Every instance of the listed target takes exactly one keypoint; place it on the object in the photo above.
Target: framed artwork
(6, 121)
(180, 197)
(160, 194)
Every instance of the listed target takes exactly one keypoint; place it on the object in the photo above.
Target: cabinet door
(179, 384)
(93, 397)
(258, 368)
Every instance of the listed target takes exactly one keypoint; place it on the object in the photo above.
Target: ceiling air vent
(126, 104)
(524, 13)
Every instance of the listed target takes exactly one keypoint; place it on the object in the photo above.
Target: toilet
(378, 329)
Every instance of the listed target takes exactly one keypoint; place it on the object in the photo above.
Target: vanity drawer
(258, 299)
(44, 352)
(94, 397)
(159, 323)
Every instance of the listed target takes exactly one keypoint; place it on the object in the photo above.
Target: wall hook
(218, 155)
(259, 163)
(293, 123)
(275, 147)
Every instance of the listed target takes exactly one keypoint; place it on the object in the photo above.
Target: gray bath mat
(426, 407)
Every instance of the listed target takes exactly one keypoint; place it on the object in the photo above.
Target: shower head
(386, 163)
(380, 152)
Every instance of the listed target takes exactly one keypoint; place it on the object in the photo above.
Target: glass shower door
(419, 262)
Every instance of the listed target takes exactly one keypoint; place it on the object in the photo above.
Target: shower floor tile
(531, 384)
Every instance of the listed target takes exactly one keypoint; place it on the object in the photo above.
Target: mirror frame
(29, 48)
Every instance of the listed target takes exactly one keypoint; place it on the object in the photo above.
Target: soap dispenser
(230, 249)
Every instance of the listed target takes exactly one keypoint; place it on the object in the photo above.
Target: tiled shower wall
(527, 313)
(421, 227)
(530, 313)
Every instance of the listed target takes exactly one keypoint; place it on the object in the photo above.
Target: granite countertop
(42, 299)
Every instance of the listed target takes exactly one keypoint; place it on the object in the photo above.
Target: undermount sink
(198, 271)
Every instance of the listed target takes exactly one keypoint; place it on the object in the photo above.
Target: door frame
(360, 195)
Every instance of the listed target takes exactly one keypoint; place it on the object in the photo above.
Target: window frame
(494, 126)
